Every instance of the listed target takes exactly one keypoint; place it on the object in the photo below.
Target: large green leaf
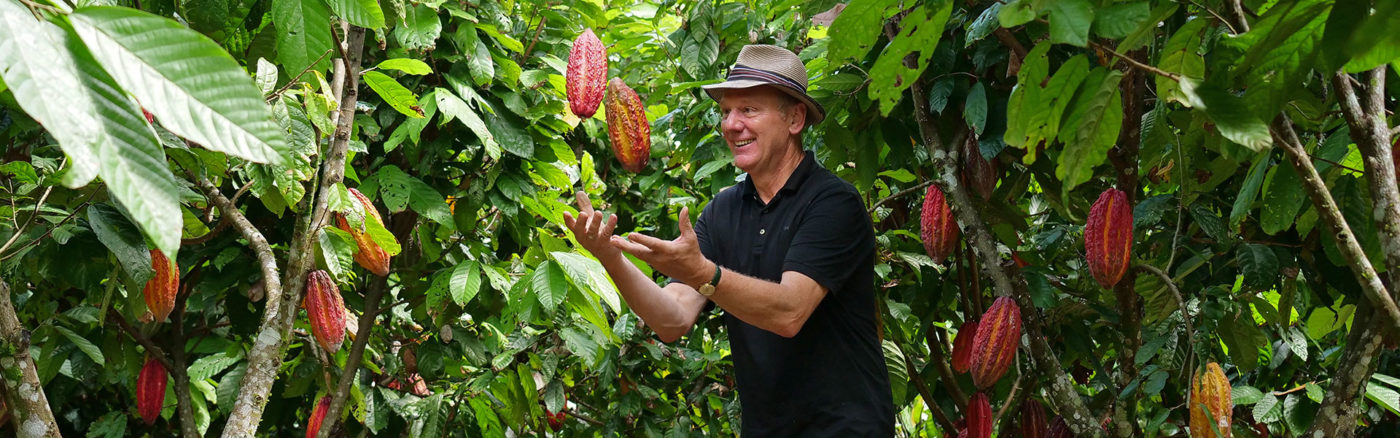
(1119, 20)
(975, 108)
(855, 31)
(1181, 56)
(1091, 129)
(84, 345)
(121, 237)
(420, 28)
(589, 274)
(919, 31)
(1249, 191)
(1231, 114)
(303, 35)
(465, 282)
(453, 107)
(1070, 21)
(190, 83)
(1283, 198)
(1259, 265)
(549, 285)
(363, 13)
(398, 97)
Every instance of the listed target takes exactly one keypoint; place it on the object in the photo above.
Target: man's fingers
(686, 228)
(595, 222)
(648, 241)
(640, 251)
(569, 220)
(584, 205)
(610, 225)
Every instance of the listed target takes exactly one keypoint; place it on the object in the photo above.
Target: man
(788, 254)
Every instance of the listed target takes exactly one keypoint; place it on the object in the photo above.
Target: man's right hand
(593, 229)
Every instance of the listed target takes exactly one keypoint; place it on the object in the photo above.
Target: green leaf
(1091, 129)
(549, 285)
(1016, 13)
(363, 13)
(1268, 410)
(336, 252)
(406, 65)
(856, 30)
(1118, 20)
(227, 391)
(420, 28)
(206, 367)
(1322, 322)
(1232, 116)
(1145, 31)
(1297, 412)
(123, 239)
(478, 56)
(975, 108)
(919, 31)
(84, 345)
(198, 92)
(1373, 42)
(1249, 191)
(453, 107)
(588, 273)
(394, 94)
(1244, 340)
(1315, 392)
(109, 425)
(303, 36)
(1070, 21)
(986, 23)
(1245, 395)
(1181, 56)
(1283, 199)
(465, 282)
(1259, 265)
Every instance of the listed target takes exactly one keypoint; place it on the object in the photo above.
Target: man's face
(757, 124)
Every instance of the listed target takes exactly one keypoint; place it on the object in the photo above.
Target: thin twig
(897, 195)
(152, 350)
(275, 94)
(538, 28)
(49, 232)
(1140, 66)
(20, 230)
(1181, 304)
(1217, 16)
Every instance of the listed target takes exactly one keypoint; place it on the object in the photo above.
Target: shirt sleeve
(834, 239)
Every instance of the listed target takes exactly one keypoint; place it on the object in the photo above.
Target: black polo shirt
(829, 379)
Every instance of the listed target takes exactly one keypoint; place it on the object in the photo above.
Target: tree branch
(1137, 64)
(897, 195)
(1340, 408)
(922, 386)
(1181, 304)
(25, 397)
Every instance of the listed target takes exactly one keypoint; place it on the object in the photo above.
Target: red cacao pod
(628, 127)
(939, 229)
(979, 416)
(980, 173)
(587, 72)
(998, 336)
(962, 346)
(161, 288)
(1210, 394)
(369, 255)
(318, 416)
(1059, 429)
(150, 390)
(325, 309)
(1108, 237)
(555, 419)
(1033, 424)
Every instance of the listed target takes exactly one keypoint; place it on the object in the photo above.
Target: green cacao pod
(150, 390)
(368, 255)
(325, 309)
(979, 416)
(998, 336)
(161, 288)
(1108, 237)
(939, 229)
(962, 346)
(628, 127)
(318, 416)
(586, 74)
(1210, 394)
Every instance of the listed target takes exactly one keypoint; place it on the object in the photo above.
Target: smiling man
(788, 254)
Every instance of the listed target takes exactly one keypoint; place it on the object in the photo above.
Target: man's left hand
(679, 258)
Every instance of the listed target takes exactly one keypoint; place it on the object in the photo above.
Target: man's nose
(730, 122)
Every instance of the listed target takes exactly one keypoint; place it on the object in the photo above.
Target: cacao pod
(628, 127)
(998, 336)
(587, 71)
(939, 229)
(318, 416)
(325, 309)
(150, 390)
(1059, 429)
(1108, 237)
(369, 255)
(979, 416)
(962, 346)
(555, 419)
(1210, 394)
(980, 173)
(161, 288)
(1033, 424)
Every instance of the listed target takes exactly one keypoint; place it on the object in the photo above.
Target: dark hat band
(740, 72)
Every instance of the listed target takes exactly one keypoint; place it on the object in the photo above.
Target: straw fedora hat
(763, 64)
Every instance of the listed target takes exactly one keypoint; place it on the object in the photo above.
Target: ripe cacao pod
(998, 336)
(150, 390)
(628, 127)
(979, 416)
(962, 346)
(939, 229)
(1108, 237)
(979, 173)
(1059, 429)
(325, 309)
(161, 288)
(555, 419)
(588, 70)
(369, 255)
(1210, 394)
(318, 416)
(1033, 424)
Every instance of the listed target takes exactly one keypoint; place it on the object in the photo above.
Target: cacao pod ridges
(160, 290)
(962, 346)
(369, 254)
(150, 390)
(979, 416)
(998, 337)
(1033, 422)
(1210, 400)
(318, 416)
(1059, 429)
(628, 128)
(939, 230)
(325, 309)
(586, 74)
(1108, 237)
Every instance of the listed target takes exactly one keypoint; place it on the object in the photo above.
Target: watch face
(707, 290)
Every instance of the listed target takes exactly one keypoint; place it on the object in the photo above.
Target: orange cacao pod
(628, 127)
(150, 390)
(979, 416)
(939, 229)
(1108, 237)
(998, 335)
(1033, 424)
(325, 309)
(318, 416)
(369, 255)
(962, 346)
(588, 70)
(1210, 393)
(160, 289)
(1059, 429)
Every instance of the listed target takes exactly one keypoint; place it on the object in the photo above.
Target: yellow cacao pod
(628, 127)
(1210, 400)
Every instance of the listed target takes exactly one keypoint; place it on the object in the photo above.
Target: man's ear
(798, 120)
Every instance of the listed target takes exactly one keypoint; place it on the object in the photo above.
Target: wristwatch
(708, 289)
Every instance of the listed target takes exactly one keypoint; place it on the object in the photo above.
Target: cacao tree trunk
(24, 394)
(1124, 158)
(1341, 406)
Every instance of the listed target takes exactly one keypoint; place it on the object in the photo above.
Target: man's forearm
(666, 310)
(781, 308)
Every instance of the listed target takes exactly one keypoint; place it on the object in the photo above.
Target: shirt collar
(794, 181)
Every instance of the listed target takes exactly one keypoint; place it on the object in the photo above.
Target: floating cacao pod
(1108, 237)
(369, 255)
(1033, 424)
(150, 390)
(628, 127)
(587, 72)
(1210, 393)
(998, 335)
(161, 288)
(1059, 429)
(939, 229)
(318, 416)
(326, 310)
(962, 346)
(979, 416)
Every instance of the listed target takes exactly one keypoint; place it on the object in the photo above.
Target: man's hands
(591, 228)
(679, 258)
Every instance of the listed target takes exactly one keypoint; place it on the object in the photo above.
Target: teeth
(743, 143)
